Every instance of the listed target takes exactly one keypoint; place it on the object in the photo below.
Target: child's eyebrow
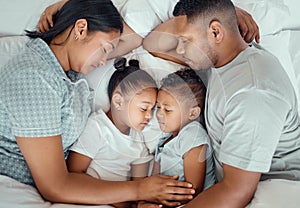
(147, 102)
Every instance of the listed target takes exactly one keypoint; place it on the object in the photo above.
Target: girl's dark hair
(186, 85)
(101, 15)
(129, 78)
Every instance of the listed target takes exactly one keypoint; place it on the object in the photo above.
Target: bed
(280, 34)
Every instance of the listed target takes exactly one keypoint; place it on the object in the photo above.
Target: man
(161, 41)
(251, 108)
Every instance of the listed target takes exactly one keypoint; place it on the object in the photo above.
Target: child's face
(171, 114)
(140, 108)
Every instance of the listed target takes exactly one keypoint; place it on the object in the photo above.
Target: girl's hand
(166, 190)
(46, 21)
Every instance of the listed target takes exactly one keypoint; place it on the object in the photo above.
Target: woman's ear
(216, 30)
(117, 100)
(194, 112)
(81, 29)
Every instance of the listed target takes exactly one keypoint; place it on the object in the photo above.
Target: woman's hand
(166, 190)
(46, 21)
(248, 27)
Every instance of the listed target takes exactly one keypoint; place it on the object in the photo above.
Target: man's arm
(162, 41)
(129, 40)
(234, 191)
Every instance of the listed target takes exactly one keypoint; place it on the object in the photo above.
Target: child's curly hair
(186, 85)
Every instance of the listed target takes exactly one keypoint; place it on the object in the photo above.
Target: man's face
(193, 44)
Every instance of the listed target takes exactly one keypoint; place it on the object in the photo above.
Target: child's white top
(112, 152)
(170, 156)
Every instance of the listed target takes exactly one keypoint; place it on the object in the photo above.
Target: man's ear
(81, 29)
(117, 100)
(216, 30)
(194, 112)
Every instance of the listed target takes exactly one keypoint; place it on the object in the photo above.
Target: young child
(112, 147)
(186, 150)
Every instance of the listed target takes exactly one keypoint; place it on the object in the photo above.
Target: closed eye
(168, 111)
(104, 50)
(143, 109)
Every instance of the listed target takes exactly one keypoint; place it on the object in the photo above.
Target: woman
(129, 40)
(44, 106)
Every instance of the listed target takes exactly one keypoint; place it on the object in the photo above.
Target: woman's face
(93, 51)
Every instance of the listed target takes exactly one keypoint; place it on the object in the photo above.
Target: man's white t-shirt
(252, 118)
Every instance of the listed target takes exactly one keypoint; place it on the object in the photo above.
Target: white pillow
(10, 46)
(273, 16)
(139, 16)
(19, 15)
(163, 11)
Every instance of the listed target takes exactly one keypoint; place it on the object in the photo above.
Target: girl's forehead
(142, 93)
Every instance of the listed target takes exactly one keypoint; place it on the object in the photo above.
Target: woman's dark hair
(186, 85)
(129, 78)
(101, 15)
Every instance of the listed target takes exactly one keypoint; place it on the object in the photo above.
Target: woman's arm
(46, 162)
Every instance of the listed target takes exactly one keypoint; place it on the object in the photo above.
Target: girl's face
(93, 51)
(138, 109)
(171, 114)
